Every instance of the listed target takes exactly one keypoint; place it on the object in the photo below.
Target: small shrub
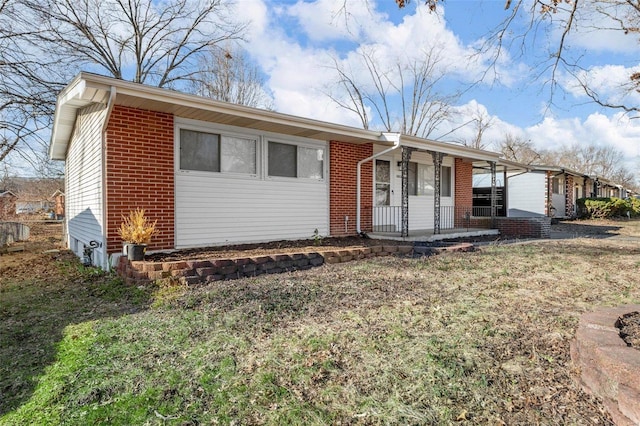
(137, 228)
(606, 208)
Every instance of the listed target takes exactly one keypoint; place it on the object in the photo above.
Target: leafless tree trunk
(43, 43)
(402, 98)
(515, 148)
(227, 75)
(481, 121)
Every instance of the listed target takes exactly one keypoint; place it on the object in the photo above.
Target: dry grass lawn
(468, 338)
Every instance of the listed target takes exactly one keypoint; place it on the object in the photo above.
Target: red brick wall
(140, 174)
(343, 161)
(524, 227)
(463, 183)
(463, 191)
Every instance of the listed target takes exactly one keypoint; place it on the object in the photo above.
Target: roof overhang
(87, 89)
(502, 165)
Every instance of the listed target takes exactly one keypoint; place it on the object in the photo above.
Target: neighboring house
(545, 191)
(29, 205)
(214, 173)
(7, 203)
(58, 204)
(553, 191)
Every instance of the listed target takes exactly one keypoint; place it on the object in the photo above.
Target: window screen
(199, 151)
(283, 159)
(290, 160)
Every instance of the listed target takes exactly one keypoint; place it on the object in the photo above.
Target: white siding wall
(420, 206)
(83, 180)
(218, 208)
(526, 195)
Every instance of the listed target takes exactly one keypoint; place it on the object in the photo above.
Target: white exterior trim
(84, 187)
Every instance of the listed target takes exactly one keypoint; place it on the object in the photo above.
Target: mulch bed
(629, 325)
(274, 247)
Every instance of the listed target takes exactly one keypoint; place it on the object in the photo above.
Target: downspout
(110, 102)
(395, 137)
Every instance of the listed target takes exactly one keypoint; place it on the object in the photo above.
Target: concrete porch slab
(428, 235)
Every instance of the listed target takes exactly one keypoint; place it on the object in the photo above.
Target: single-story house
(552, 191)
(545, 191)
(214, 173)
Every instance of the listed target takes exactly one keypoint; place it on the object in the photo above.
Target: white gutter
(395, 137)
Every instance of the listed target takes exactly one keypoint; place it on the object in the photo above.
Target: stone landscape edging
(608, 367)
(200, 271)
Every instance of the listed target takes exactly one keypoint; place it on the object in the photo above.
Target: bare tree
(159, 41)
(480, 122)
(515, 148)
(566, 17)
(603, 161)
(402, 97)
(43, 43)
(228, 75)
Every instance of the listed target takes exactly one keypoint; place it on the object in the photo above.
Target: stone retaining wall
(191, 272)
(609, 368)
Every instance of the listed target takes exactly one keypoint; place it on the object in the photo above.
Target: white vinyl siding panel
(527, 195)
(84, 191)
(216, 209)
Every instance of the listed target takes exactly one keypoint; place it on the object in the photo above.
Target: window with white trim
(295, 161)
(211, 152)
(422, 180)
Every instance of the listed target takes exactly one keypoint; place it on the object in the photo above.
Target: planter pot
(134, 251)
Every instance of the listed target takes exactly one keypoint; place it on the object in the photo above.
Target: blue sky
(293, 42)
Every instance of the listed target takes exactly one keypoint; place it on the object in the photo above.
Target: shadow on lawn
(572, 229)
(38, 300)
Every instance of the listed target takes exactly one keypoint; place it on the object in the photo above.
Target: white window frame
(222, 132)
(297, 144)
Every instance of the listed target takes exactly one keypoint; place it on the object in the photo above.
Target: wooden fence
(13, 231)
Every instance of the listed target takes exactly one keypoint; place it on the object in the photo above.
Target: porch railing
(389, 218)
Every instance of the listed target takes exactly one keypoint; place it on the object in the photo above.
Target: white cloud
(610, 82)
(299, 68)
(618, 131)
(595, 28)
